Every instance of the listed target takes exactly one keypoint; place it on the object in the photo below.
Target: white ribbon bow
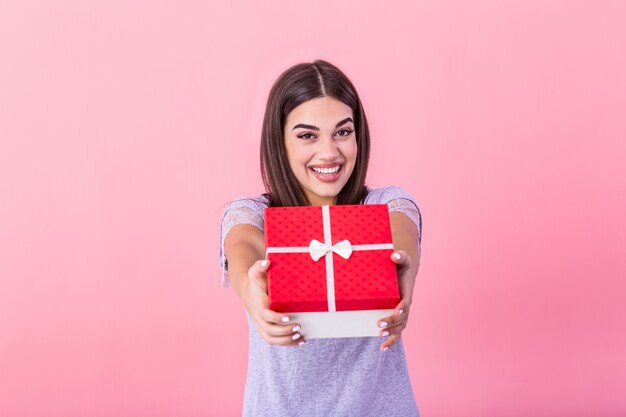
(318, 249)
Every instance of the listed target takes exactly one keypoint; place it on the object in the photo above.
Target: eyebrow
(302, 125)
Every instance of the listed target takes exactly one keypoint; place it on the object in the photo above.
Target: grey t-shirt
(324, 377)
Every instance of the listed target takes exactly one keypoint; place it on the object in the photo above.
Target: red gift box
(331, 259)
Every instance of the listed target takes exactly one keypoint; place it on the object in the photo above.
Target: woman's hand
(392, 326)
(273, 327)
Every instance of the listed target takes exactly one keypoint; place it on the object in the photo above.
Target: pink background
(126, 126)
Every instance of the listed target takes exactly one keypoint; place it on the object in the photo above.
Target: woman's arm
(244, 247)
(407, 259)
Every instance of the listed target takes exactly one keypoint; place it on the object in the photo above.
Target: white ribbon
(317, 250)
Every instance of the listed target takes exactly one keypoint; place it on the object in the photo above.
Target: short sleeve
(240, 211)
(399, 201)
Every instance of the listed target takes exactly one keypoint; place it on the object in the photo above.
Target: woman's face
(321, 147)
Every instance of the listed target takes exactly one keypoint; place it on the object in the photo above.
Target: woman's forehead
(321, 111)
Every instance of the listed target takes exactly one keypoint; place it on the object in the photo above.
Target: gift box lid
(365, 279)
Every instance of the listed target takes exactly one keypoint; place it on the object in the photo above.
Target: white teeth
(327, 171)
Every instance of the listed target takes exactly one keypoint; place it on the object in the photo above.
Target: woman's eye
(306, 136)
(344, 132)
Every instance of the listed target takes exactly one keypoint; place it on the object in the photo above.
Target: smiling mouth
(327, 171)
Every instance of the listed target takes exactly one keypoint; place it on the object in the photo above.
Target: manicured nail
(386, 347)
(264, 263)
(385, 333)
(285, 319)
(401, 311)
(295, 336)
(302, 343)
(296, 329)
(383, 324)
(397, 256)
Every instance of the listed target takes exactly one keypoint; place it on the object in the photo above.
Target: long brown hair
(300, 83)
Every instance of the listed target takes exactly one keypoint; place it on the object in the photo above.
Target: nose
(327, 149)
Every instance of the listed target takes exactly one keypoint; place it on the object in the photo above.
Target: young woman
(314, 151)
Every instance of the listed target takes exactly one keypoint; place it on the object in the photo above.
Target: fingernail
(296, 329)
(385, 333)
(397, 256)
(383, 324)
(386, 347)
(401, 311)
(295, 336)
(285, 319)
(264, 263)
(302, 343)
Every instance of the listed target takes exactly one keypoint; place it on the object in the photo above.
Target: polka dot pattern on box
(367, 280)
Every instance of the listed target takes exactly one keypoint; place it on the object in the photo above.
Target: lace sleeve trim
(410, 209)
